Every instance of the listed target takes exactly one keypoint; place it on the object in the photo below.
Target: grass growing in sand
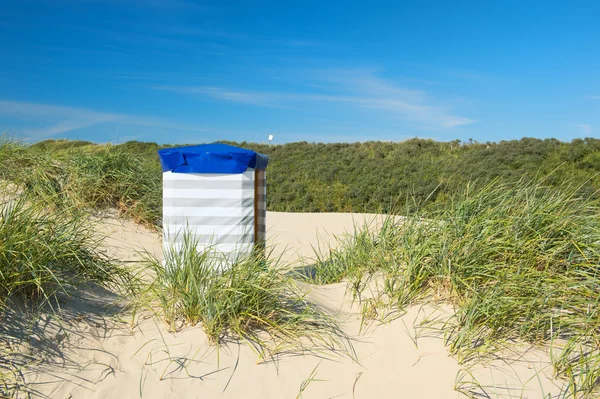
(48, 248)
(113, 178)
(518, 261)
(250, 300)
(43, 253)
(45, 256)
(94, 178)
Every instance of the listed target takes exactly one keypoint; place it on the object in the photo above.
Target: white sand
(107, 359)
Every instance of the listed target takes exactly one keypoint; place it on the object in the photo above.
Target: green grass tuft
(92, 178)
(250, 300)
(44, 253)
(113, 178)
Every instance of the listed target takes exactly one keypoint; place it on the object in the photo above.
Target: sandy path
(149, 361)
(294, 236)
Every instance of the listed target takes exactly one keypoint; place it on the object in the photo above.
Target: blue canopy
(211, 158)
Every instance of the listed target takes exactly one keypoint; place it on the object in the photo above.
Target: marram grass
(518, 261)
(250, 300)
(96, 178)
(45, 256)
(113, 178)
(44, 253)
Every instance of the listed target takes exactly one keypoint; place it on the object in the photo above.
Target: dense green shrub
(372, 176)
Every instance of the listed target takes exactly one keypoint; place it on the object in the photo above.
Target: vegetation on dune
(518, 261)
(384, 177)
(86, 176)
(250, 299)
(58, 178)
(381, 176)
(49, 249)
(43, 253)
(47, 254)
(114, 178)
(517, 253)
(47, 243)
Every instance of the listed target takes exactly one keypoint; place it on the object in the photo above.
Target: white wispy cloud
(585, 128)
(267, 99)
(53, 119)
(355, 88)
(593, 97)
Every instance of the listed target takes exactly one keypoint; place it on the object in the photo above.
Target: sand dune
(107, 358)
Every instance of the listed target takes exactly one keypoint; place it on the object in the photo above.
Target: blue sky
(177, 71)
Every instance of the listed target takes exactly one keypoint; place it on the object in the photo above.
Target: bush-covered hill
(381, 176)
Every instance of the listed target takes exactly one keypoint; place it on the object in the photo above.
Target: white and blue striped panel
(217, 209)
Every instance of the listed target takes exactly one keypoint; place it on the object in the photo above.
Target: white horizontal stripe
(199, 193)
(210, 184)
(198, 211)
(247, 175)
(219, 248)
(214, 220)
(208, 202)
(175, 229)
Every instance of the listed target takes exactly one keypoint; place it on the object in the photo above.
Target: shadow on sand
(36, 340)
